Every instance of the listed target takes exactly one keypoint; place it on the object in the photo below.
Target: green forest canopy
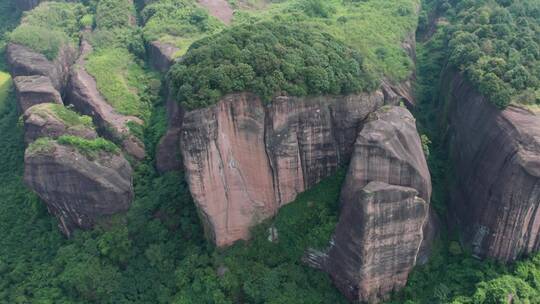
(497, 44)
(268, 58)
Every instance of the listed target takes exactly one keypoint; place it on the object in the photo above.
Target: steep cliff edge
(496, 158)
(244, 160)
(385, 209)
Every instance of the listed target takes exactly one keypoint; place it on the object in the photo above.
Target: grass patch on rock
(88, 147)
(48, 27)
(121, 81)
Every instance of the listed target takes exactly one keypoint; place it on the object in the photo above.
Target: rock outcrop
(85, 96)
(80, 191)
(34, 90)
(496, 157)
(23, 61)
(385, 209)
(244, 160)
(161, 55)
(44, 121)
(377, 241)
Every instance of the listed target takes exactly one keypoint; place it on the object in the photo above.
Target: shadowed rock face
(84, 95)
(79, 191)
(41, 121)
(26, 5)
(385, 207)
(168, 155)
(377, 241)
(244, 160)
(496, 157)
(33, 90)
(26, 62)
(161, 55)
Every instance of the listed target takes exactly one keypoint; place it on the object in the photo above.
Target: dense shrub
(268, 59)
(111, 14)
(48, 27)
(497, 45)
(122, 81)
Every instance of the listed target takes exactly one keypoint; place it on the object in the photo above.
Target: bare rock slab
(79, 190)
(384, 220)
(24, 61)
(34, 90)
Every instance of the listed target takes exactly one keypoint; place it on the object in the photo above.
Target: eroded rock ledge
(496, 158)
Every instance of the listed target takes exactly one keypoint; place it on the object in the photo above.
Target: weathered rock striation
(43, 121)
(385, 209)
(244, 160)
(80, 191)
(496, 159)
(85, 96)
(23, 61)
(34, 90)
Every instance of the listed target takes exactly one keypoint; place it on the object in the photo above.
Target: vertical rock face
(385, 209)
(34, 90)
(78, 190)
(84, 95)
(377, 241)
(244, 160)
(227, 167)
(496, 157)
(26, 62)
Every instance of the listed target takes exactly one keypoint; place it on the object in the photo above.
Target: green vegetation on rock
(69, 117)
(497, 45)
(121, 81)
(268, 58)
(177, 22)
(48, 27)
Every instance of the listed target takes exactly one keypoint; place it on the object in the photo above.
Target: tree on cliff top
(268, 59)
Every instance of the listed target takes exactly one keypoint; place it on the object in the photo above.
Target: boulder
(84, 95)
(44, 121)
(377, 241)
(34, 90)
(384, 219)
(496, 158)
(388, 149)
(79, 190)
(161, 55)
(244, 161)
(23, 61)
